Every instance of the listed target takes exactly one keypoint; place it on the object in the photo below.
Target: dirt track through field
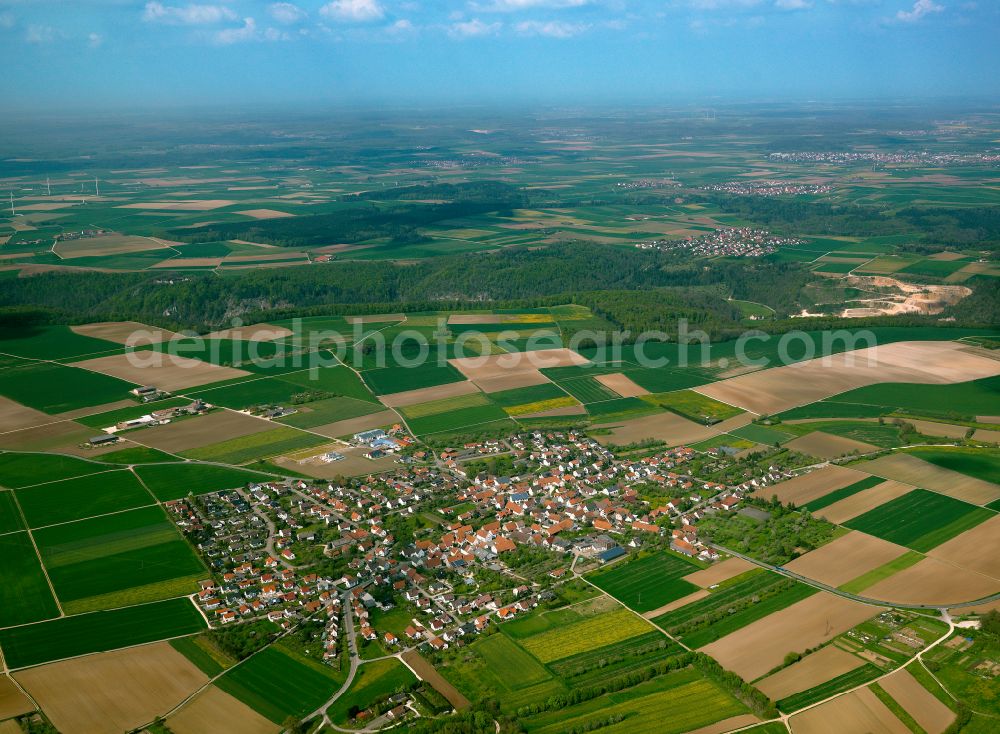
(808, 487)
(719, 572)
(191, 205)
(676, 604)
(667, 427)
(14, 416)
(427, 672)
(846, 558)
(498, 365)
(977, 549)
(12, 701)
(934, 582)
(119, 332)
(762, 645)
(932, 715)
(782, 388)
(254, 333)
(819, 667)
(733, 722)
(113, 691)
(167, 372)
(827, 445)
(858, 712)
(863, 501)
(521, 378)
(910, 469)
(217, 712)
(426, 394)
(622, 385)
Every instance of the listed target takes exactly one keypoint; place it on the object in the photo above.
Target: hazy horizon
(313, 53)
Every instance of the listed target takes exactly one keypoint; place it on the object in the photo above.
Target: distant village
(768, 188)
(730, 242)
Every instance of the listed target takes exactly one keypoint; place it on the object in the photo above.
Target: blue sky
(93, 53)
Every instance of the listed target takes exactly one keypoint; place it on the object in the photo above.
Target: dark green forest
(635, 290)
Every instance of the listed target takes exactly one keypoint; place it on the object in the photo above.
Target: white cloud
(504, 6)
(286, 13)
(247, 32)
(792, 4)
(41, 34)
(94, 40)
(551, 28)
(920, 9)
(156, 12)
(353, 11)
(473, 28)
(401, 27)
(721, 4)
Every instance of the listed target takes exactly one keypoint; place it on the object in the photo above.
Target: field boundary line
(41, 565)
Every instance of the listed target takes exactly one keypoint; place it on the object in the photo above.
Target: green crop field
(593, 666)
(667, 379)
(750, 308)
(254, 356)
(102, 558)
(525, 395)
(602, 629)
(82, 497)
(669, 704)
(256, 446)
(54, 342)
(761, 434)
(647, 583)
(24, 592)
(136, 455)
(694, 406)
(845, 682)
(199, 651)
(250, 392)
(620, 409)
(843, 493)
(824, 409)
(979, 463)
(445, 405)
(588, 390)
(977, 397)
(338, 380)
(920, 519)
(453, 420)
(173, 481)
(510, 663)
(935, 268)
(331, 410)
(724, 440)
(98, 632)
(733, 606)
(388, 380)
(278, 684)
(10, 516)
(23, 470)
(885, 436)
(56, 388)
(373, 681)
